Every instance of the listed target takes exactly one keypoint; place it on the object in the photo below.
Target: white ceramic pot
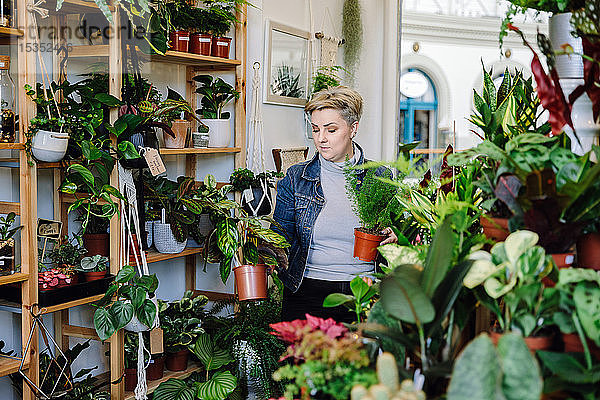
(219, 132)
(164, 241)
(559, 29)
(49, 146)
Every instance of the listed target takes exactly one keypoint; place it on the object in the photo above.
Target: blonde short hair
(341, 98)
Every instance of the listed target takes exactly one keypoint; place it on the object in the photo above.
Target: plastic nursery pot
(365, 245)
(220, 47)
(534, 343)
(180, 40)
(130, 379)
(563, 260)
(94, 275)
(180, 128)
(251, 281)
(49, 146)
(7, 257)
(495, 229)
(200, 43)
(573, 344)
(588, 251)
(97, 243)
(156, 368)
(177, 361)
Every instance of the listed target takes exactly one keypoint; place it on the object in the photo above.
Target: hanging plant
(352, 32)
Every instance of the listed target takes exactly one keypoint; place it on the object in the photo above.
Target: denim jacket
(299, 201)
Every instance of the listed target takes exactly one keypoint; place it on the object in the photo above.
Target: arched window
(419, 111)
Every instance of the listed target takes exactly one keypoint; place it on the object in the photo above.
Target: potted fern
(372, 201)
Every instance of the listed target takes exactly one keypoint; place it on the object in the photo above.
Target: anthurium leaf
(338, 299)
(359, 287)
(103, 323)
(147, 313)
(521, 378)
(476, 372)
(403, 298)
(125, 274)
(221, 385)
(174, 389)
(122, 313)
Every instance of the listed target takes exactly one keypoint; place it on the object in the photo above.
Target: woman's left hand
(391, 236)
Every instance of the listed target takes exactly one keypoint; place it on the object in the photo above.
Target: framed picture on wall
(288, 62)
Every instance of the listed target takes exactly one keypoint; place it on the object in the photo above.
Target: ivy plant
(133, 300)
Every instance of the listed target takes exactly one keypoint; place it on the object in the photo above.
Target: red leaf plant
(549, 91)
(293, 331)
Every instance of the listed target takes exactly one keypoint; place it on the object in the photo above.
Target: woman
(314, 212)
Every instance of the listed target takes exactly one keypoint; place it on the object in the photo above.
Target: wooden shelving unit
(152, 385)
(26, 207)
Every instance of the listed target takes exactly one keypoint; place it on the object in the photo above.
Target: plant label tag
(156, 341)
(248, 195)
(155, 163)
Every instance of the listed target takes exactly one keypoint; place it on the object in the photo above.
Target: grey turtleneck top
(330, 256)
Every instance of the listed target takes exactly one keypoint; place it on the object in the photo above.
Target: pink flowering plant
(323, 358)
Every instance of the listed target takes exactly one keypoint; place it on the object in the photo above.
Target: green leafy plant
(286, 82)
(95, 263)
(216, 94)
(133, 300)
(512, 272)
(67, 252)
(485, 372)
(372, 198)
(359, 301)
(180, 321)
(243, 178)
(6, 223)
(326, 77)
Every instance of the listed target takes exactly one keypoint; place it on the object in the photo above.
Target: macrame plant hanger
(130, 218)
(329, 44)
(56, 356)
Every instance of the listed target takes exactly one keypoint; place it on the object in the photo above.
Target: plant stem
(423, 348)
(586, 350)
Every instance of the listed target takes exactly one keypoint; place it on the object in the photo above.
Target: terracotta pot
(130, 379)
(573, 345)
(156, 368)
(178, 361)
(200, 43)
(251, 281)
(137, 249)
(533, 343)
(588, 251)
(180, 41)
(220, 47)
(563, 260)
(365, 245)
(180, 128)
(97, 243)
(495, 229)
(94, 275)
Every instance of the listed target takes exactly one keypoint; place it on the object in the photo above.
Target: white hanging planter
(49, 146)
(219, 132)
(559, 29)
(164, 241)
(136, 326)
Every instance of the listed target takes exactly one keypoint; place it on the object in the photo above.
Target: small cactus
(387, 371)
(388, 387)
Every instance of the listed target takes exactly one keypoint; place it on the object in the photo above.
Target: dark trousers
(309, 300)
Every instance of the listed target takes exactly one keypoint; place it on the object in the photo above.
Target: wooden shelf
(9, 366)
(10, 206)
(171, 57)
(17, 277)
(10, 32)
(192, 150)
(152, 385)
(73, 303)
(154, 256)
(12, 146)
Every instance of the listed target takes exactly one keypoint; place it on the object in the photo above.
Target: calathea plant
(180, 321)
(216, 94)
(133, 295)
